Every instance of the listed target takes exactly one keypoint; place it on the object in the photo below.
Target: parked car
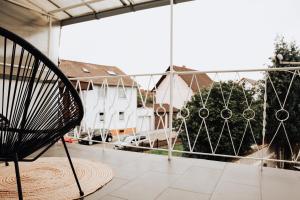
(84, 138)
(129, 141)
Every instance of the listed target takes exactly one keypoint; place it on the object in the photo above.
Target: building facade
(109, 100)
(184, 86)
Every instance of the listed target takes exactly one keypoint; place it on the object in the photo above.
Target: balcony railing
(225, 115)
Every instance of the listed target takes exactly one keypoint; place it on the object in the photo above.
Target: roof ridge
(88, 63)
(202, 78)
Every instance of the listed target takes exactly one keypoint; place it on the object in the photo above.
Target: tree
(145, 97)
(237, 113)
(283, 136)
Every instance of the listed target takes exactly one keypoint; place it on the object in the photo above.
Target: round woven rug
(52, 178)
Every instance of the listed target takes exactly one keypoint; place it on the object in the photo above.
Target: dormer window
(85, 70)
(111, 73)
(101, 114)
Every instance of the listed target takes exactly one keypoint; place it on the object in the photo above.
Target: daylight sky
(208, 35)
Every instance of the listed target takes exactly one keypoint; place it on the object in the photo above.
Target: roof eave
(119, 11)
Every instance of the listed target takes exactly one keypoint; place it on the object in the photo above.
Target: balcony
(147, 176)
(181, 133)
(224, 111)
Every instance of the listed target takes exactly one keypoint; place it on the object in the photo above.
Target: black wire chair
(38, 104)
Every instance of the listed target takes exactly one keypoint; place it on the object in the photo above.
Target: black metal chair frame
(17, 155)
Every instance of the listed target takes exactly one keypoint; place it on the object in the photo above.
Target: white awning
(75, 11)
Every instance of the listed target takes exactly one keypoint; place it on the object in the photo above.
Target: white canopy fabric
(75, 11)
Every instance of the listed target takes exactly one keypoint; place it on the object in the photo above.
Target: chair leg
(6, 163)
(74, 172)
(18, 178)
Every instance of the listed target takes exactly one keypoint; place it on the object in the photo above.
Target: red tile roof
(74, 69)
(200, 80)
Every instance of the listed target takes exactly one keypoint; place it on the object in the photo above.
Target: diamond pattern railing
(234, 117)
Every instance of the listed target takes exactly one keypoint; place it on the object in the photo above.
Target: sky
(208, 35)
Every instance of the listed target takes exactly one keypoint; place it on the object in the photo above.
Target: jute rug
(52, 178)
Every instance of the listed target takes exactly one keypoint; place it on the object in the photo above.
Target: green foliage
(281, 82)
(148, 100)
(178, 147)
(214, 122)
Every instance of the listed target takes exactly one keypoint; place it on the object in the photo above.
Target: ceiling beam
(118, 11)
(57, 6)
(30, 7)
(88, 5)
(83, 3)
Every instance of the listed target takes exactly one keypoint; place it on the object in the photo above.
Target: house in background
(145, 120)
(185, 86)
(161, 114)
(110, 102)
(145, 113)
(248, 83)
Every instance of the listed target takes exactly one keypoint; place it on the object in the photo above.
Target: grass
(178, 147)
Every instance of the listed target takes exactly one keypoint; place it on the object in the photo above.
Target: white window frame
(101, 116)
(121, 115)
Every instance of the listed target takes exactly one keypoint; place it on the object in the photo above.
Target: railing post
(49, 37)
(263, 135)
(171, 74)
(264, 121)
(170, 143)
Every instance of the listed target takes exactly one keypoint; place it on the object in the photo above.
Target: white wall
(181, 93)
(111, 105)
(32, 27)
(145, 120)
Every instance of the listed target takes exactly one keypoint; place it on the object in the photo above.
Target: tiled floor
(141, 176)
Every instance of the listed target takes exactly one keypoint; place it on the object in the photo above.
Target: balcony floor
(140, 176)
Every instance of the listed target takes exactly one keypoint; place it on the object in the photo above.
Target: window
(121, 115)
(111, 73)
(122, 93)
(101, 116)
(85, 70)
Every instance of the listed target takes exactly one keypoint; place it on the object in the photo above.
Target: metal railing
(247, 111)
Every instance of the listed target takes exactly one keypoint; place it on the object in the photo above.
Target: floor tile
(140, 176)
(278, 184)
(209, 163)
(109, 197)
(243, 174)
(235, 191)
(107, 189)
(199, 179)
(175, 194)
(146, 187)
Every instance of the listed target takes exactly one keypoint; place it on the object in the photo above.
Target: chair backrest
(38, 104)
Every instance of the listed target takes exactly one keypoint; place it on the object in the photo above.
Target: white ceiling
(75, 11)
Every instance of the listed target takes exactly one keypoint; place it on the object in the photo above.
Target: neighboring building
(162, 113)
(145, 113)
(110, 102)
(185, 86)
(248, 83)
(145, 97)
(145, 120)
